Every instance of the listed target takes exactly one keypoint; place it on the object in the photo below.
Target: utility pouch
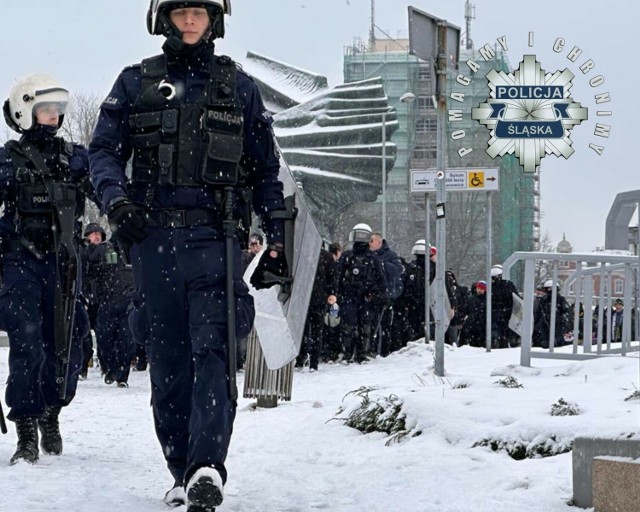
(220, 164)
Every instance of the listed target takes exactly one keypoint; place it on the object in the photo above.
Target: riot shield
(280, 325)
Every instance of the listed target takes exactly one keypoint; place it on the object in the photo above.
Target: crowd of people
(368, 301)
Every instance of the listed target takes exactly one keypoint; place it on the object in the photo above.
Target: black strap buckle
(174, 218)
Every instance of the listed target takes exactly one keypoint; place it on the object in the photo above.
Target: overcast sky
(85, 43)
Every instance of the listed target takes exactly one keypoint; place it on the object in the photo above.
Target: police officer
(414, 291)
(43, 183)
(94, 237)
(200, 138)
(112, 290)
(361, 287)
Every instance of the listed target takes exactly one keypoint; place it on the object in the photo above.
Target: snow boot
(176, 496)
(27, 430)
(204, 491)
(51, 442)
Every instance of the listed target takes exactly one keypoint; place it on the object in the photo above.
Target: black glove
(128, 222)
(270, 270)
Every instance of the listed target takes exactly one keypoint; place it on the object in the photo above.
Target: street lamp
(407, 97)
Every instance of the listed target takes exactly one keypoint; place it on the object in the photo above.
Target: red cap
(432, 250)
(481, 285)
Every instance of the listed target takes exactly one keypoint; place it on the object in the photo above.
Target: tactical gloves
(128, 222)
(270, 270)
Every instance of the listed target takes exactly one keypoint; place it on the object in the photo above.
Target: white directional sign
(458, 180)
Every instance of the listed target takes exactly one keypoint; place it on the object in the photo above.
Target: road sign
(458, 180)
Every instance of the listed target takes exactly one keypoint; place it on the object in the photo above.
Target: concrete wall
(585, 450)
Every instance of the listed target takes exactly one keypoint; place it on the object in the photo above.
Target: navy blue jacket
(78, 167)
(393, 269)
(110, 149)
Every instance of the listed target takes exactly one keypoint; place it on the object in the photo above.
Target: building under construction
(516, 207)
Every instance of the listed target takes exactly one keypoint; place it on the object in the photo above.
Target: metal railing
(581, 281)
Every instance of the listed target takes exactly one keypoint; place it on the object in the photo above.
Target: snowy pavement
(295, 458)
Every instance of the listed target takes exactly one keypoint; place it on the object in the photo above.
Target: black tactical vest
(34, 216)
(186, 144)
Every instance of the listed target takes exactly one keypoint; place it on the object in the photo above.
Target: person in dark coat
(413, 296)
(542, 318)
(94, 235)
(502, 291)
(393, 270)
(43, 187)
(474, 327)
(323, 287)
(361, 291)
(202, 146)
(332, 335)
(114, 288)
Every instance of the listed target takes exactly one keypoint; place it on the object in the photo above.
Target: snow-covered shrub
(564, 408)
(633, 396)
(378, 414)
(520, 449)
(509, 382)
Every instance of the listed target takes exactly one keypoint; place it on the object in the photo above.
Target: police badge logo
(530, 113)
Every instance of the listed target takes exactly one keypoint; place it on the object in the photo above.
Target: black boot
(51, 443)
(27, 431)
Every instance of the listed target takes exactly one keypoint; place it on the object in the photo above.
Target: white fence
(579, 286)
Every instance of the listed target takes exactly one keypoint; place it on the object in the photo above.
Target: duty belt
(184, 218)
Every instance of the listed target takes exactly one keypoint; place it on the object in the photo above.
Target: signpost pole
(488, 274)
(441, 198)
(427, 268)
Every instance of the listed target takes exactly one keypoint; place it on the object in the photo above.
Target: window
(425, 103)
(618, 287)
(426, 125)
(424, 153)
(424, 72)
(563, 264)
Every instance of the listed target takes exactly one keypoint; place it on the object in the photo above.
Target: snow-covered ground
(295, 458)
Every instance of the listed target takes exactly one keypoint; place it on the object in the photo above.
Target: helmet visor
(52, 101)
(361, 236)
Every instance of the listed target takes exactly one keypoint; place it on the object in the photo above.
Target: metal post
(441, 261)
(636, 304)
(384, 175)
(488, 273)
(427, 268)
(527, 321)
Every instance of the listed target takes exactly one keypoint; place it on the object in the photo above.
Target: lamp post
(407, 97)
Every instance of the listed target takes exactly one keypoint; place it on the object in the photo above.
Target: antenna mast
(469, 14)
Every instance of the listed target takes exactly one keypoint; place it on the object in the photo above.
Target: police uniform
(112, 288)
(32, 266)
(190, 123)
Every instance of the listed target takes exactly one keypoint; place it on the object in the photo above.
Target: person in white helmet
(43, 186)
(201, 145)
(361, 290)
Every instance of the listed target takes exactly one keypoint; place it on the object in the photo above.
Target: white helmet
(496, 270)
(548, 283)
(32, 92)
(360, 233)
(158, 22)
(419, 247)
